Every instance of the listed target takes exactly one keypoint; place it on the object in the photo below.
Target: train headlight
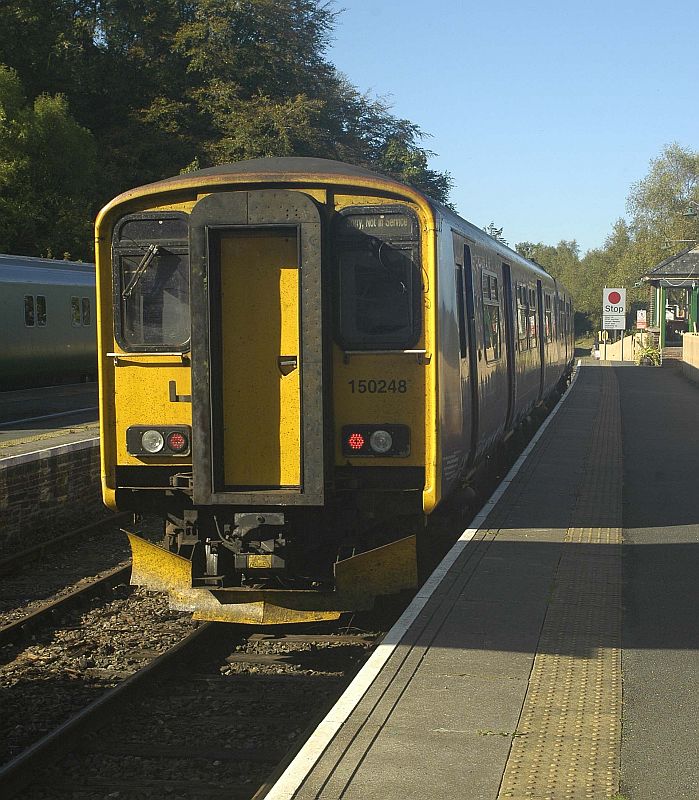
(152, 441)
(381, 441)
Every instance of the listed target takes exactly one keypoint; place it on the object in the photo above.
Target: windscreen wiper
(149, 255)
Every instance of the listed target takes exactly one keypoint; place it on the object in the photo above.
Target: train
(300, 362)
(48, 326)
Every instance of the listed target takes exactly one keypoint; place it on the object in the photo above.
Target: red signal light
(176, 442)
(356, 441)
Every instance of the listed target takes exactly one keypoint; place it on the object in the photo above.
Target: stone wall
(47, 492)
(615, 352)
(690, 356)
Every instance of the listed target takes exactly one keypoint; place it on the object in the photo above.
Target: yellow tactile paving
(568, 740)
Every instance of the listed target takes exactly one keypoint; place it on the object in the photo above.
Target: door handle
(287, 364)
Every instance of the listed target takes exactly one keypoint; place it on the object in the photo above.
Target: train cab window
(86, 316)
(491, 317)
(29, 310)
(41, 310)
(378, 284)
(75, 316)
(151, 281)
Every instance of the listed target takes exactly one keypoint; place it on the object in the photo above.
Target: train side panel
(48, 324)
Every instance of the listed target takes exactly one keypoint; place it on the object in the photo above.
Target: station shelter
(674, 287)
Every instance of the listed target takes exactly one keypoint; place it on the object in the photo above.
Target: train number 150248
(378, 386)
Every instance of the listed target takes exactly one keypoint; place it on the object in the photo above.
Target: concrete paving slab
(408, 764)
(660, 746)
(511, 686)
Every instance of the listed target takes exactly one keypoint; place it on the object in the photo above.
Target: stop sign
(614, 309)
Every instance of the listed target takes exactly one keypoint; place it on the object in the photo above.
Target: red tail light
(377, 441)
(177, 442)
(355, 441)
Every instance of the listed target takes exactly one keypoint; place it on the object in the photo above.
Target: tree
(656, 205)
(167, 84)
(47, 174)
(492, 230)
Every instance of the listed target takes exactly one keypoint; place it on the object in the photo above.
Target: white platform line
(297, 771)
(47, 416)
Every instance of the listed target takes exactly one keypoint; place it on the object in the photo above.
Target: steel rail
(18, 629)
(10, 563)
(22, 770)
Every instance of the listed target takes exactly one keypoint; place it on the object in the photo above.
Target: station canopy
(678, 271)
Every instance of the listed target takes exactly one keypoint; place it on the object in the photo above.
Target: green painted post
(692, 308)
(662, 310)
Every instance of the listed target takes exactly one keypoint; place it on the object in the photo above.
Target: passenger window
(75, 311)
(548, 318)
(378, 286)
(491, 317)
(491, 324)
(41, 311)
(151, 262)
(29, 310)
(533, 325)
(522, 318)
(87, 320)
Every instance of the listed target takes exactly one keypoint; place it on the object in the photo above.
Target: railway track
(61, 652)
(73, 661)
(210, 718)
(22, 627)
(183, 710)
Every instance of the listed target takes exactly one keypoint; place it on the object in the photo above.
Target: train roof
(477, 235)
(299, 170)
(46, 271)
(294, 170)
(291, 166)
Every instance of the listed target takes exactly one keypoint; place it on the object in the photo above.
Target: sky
(544, 113)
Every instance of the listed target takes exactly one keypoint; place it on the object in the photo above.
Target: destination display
(387, 226)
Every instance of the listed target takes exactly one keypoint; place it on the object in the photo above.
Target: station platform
(46, 414)
(554, 654)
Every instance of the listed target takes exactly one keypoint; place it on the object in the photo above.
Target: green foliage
(171, 85)
(656, 205)
(492, 230)
(648, 355)
(47, 174)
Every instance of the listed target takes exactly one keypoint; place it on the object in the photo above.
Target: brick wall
(48, 491)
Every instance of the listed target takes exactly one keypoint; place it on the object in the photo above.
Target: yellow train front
(288, 379)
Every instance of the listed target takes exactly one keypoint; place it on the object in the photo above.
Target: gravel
(60, 571)
(210, 725)
(47, 679)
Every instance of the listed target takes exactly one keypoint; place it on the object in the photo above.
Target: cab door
(257, 349)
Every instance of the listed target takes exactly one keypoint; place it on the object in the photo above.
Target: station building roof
(680, 270)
